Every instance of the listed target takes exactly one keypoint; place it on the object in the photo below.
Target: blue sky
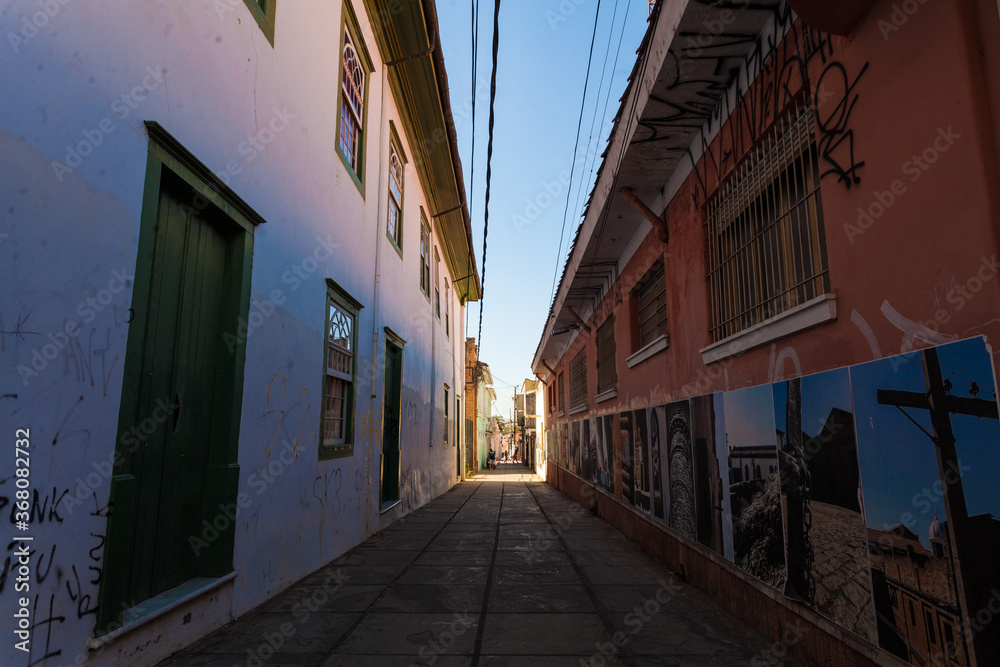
(540, 79)
(898, 462)
(821, 392)
(750, 417)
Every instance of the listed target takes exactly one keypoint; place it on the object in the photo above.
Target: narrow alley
(501, 570)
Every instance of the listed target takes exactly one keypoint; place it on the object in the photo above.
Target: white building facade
(234, 255)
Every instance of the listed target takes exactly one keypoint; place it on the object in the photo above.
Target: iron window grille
(578, 380)
(767, 246)
(561, 392)
(651, 298)
(607, 375)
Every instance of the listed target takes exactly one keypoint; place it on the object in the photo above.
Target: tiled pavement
(501, 570)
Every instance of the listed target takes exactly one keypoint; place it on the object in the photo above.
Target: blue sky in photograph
(821, 392)
(543, 55)
(898, 462)
(750, 417)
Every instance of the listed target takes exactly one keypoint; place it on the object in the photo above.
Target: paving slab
(502, 571)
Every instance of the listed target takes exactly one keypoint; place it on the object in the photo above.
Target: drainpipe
(376, 315)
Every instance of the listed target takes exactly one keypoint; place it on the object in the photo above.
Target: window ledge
(607, 395)
(561, 413)
(388, 505)
(578, 409)
(809, 314)
(158, 605)
(658, 345)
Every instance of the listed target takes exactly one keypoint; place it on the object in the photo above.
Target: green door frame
(167, 158)
(391, 420)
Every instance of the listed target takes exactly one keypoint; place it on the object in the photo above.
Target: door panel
(390, 421)
(189, 296)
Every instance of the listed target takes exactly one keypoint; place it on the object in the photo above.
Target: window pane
(392, 220)
(335, 410)
(341, 327)
(348, 135)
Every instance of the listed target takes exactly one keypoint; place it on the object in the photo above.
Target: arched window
(393, 227)
(352, 106)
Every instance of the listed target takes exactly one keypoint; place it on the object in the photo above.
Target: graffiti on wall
(775, 74)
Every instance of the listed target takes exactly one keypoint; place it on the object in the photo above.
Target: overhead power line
(579, 124)
(489, 166)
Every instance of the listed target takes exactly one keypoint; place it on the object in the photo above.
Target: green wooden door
(180, 401)
(192, 259)
(390, 421)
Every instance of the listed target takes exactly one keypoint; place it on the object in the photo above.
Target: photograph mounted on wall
(754, 486)
(710, 462)
(574, 446)
(606, 471)
(640, 461)
(658, 463)
(826, 543)
(679, 461)
(626, 452)
(929, 449)
(588, 452)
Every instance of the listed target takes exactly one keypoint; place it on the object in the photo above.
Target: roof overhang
(688, 59)
(409, 42)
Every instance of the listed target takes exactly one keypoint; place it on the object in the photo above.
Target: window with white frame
(651, 304)
(578, 380)
(767, 244)
(607, 375)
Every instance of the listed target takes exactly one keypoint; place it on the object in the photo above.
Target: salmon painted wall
(905, 126)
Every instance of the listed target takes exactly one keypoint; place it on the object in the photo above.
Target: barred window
(767, 244)
(340, 372)
(578, 380)
(607, 375)
(651, 300)
(561, 392)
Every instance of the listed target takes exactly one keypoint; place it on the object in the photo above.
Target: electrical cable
(576, 142)
(589, 170)
(489, 166)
